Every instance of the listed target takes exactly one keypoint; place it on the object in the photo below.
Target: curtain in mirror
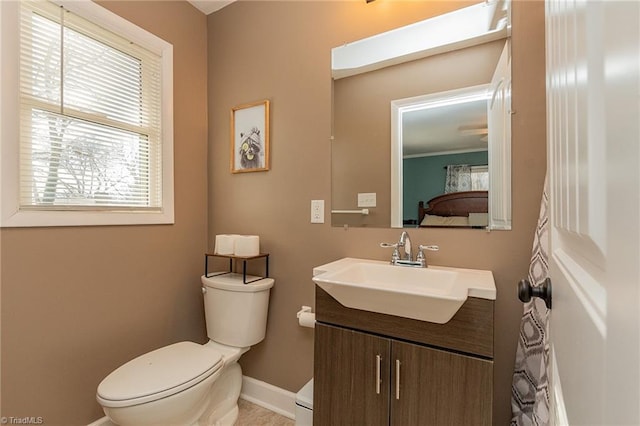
(458, 178)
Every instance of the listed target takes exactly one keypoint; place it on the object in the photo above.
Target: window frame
(11, 215)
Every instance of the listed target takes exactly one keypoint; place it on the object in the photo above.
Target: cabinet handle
(378, 359)
(397, 379)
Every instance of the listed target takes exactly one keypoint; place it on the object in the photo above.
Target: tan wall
(280, 51)
(78, 302)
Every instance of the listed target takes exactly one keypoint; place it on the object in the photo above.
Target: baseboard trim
(268, 396)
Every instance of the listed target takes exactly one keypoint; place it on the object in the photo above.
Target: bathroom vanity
(376, 369)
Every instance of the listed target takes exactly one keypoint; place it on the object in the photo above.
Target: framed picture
(250, 137)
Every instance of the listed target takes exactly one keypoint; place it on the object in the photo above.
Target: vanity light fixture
(473, 94)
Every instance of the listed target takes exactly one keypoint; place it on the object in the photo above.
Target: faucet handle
(396, 255)
(420, 256)
(389, 245)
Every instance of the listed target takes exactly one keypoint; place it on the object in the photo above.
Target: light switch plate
(366, 199)
(317, 211)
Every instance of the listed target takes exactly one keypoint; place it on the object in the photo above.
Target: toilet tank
(236, 313)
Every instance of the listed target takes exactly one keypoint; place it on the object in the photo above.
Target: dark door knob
(526, 291)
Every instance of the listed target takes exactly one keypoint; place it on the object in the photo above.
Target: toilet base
(228, 419)
(223, 406)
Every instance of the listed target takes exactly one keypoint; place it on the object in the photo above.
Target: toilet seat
(158, 374)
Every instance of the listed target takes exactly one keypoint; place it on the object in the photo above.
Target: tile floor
(255, 415)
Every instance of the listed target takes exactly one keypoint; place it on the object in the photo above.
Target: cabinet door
(433, 387)
(347, 367)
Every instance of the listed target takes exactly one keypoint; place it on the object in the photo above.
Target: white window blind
(90, 116)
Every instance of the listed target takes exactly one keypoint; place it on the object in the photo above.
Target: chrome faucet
(405, 243)
(406, 259)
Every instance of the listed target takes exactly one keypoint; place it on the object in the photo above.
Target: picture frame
(250, 137)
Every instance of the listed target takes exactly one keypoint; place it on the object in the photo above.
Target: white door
(594, 256)
(499, 123)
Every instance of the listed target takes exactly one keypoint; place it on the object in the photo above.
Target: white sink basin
(431, 294)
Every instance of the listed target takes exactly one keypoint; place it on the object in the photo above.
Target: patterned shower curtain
(530, 388)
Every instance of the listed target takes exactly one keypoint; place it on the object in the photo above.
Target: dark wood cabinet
(370, 377)
(436, 387)
(353, 361)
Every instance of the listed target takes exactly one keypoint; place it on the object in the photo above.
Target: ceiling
(210, 6)
(446, 129)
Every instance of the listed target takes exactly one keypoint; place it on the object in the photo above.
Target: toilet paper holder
(306, 318)
(244, 265)
(303, 310)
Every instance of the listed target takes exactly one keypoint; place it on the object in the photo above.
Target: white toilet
(187, 383)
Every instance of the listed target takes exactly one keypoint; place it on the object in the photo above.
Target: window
(480, 178)
(463, 177)
(94, 133)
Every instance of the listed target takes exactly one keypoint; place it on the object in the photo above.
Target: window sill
(21, 219)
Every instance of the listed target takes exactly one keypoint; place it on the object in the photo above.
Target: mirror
(400, 118)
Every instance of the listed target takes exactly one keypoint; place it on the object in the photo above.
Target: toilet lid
(158, 374)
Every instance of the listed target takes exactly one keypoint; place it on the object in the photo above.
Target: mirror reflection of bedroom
(428, 133)
(444, 139)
